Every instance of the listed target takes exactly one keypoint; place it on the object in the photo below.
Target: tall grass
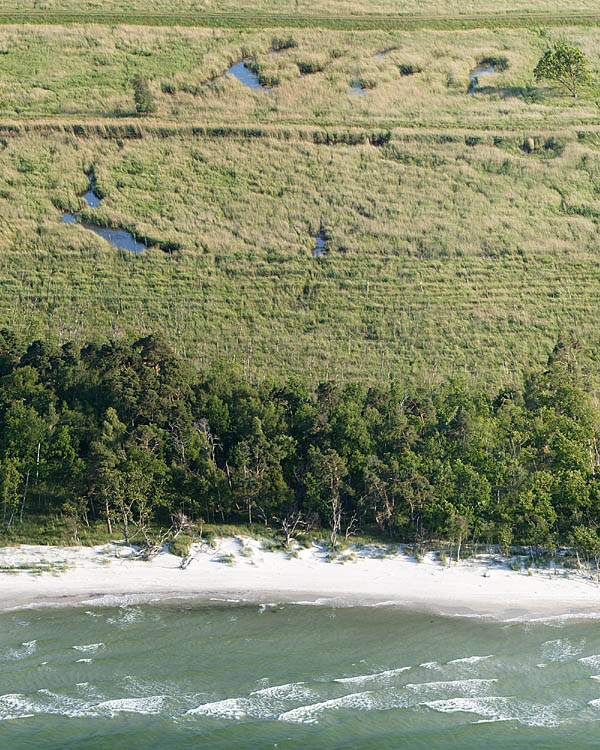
(455, 248)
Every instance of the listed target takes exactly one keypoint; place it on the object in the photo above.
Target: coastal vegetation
(349, 272)
(429, 199)
(129, 433)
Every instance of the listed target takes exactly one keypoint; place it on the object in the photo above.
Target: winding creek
(119, 238)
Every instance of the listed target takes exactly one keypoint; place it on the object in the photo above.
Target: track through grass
(261, 20)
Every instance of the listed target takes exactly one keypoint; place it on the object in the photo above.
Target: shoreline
(240, 570)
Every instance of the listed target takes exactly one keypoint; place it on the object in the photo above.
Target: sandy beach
(241, 569)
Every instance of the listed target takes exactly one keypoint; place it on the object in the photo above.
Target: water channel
(476, 72)
(119, 238)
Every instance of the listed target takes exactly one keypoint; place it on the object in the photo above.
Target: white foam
(152, 704)
(561, 650)
(592, 661)
(25, 649)
(19, 716)
(431, 665)
(15, 706)
(288, 691)
(265, 703)
(471, 659)
(128, 616)
(379, 676)
(53, 703)
(557, 619)
(466, 688)
(114, 600)
(89, 647)
(309, 714)
(83, 661)
(230, 708)
(499, 708)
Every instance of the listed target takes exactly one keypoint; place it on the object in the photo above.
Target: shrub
(278, 44)
(554, 145)
(307, 68)
(407, 69)
(180, 546)
(499, 63)
(142, 96)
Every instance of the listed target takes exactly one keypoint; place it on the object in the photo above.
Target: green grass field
(291, 9)
(454, 248)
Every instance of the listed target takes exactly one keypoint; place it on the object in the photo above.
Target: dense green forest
(128, 433)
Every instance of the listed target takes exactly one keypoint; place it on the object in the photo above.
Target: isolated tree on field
(565, 64)
(144, 101)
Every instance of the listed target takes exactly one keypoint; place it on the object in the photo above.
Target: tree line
(129, 433)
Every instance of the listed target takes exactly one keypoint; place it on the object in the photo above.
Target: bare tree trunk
(37, 473)
(24, 497)
(336, 519)
(108, 523)
(125, 523)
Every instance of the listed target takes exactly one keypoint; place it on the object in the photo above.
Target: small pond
(320, 247)
(246, 76)
(356, 88)
(476, 72)
(119, 238)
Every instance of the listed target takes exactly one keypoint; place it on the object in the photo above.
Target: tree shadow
(123, 113)
(530, 94)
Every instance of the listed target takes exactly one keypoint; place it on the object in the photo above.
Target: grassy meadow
(420, 81)
(334, 7)
(462, 230)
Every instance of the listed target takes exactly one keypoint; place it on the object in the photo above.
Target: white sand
(107, 574)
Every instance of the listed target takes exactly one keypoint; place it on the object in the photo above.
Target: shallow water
(356, 88)
(227, 676)
(120, 238)
(248, 77)
(320, 247)
(90, 197)
(474, 76)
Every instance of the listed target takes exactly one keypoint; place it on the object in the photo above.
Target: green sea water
(217, 675)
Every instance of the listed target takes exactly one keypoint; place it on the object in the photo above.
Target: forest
(128, 434)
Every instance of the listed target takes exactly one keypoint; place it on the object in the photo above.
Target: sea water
(218, 675)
